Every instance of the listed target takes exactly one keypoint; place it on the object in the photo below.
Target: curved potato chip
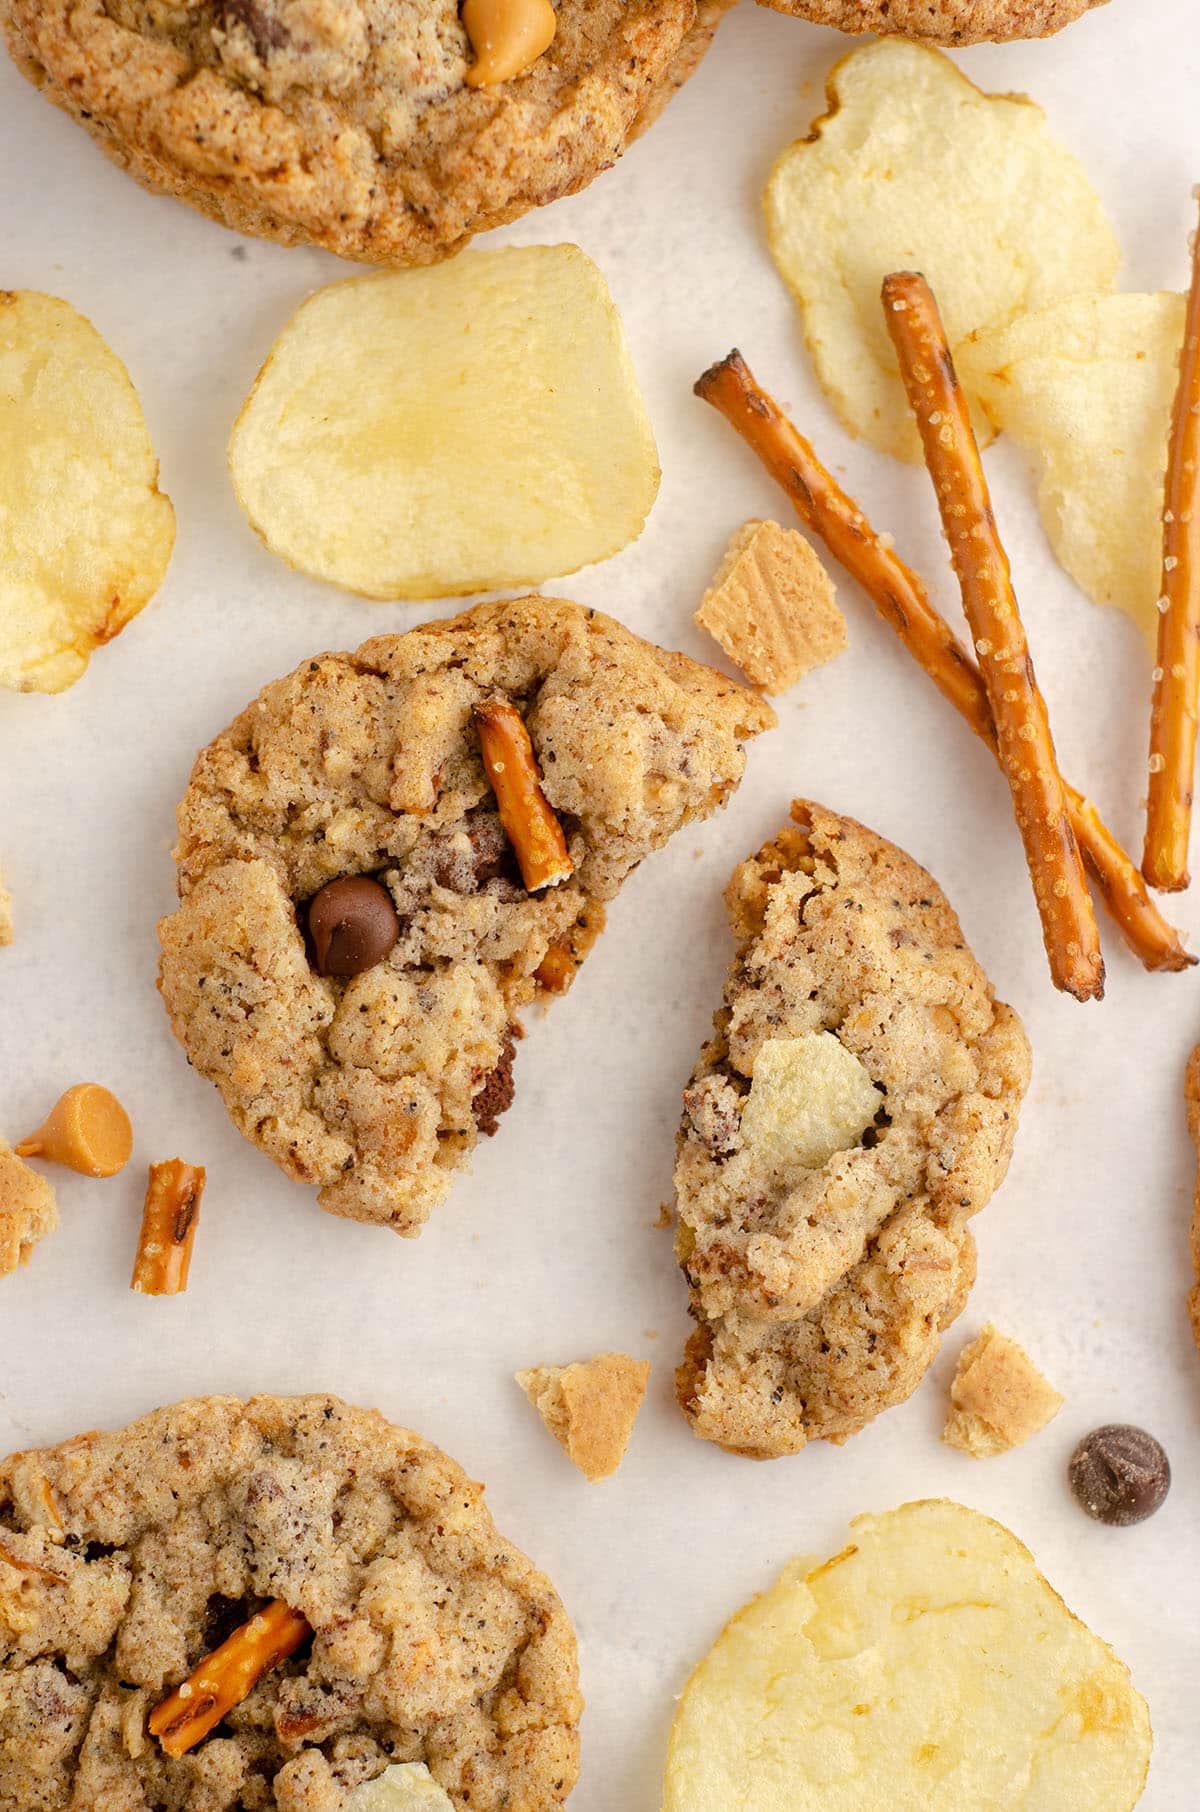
(914, 168)
(404, 1787)
(85, 532)
(929, 1667)
(1086, 388)
(468, 427)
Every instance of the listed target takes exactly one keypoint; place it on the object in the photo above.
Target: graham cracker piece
(771, 607)
(6, 920)
(589, 1407)
(28, 1209)
(998, 1397)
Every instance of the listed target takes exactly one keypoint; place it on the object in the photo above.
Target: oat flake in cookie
(127, 1559)
(855, 1107)
(377, 1086)
(349, 123)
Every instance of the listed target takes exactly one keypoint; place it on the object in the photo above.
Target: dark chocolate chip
(496, 1095)
(1119, 1474)
(352, 924)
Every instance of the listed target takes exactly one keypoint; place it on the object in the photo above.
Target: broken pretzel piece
(771, 607)
(1173, 713)
(169, 1221)
(224, 1678)
(6, 918)
(1022, 725)
(901, 599)
(526, 814)
(998, 1397)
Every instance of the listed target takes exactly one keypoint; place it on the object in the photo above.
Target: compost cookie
(855, 1107)
(941, 21)
(351, 123)
(389, 1620)
(376, 1085)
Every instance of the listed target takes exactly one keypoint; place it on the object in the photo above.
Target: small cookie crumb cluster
(590, 1407)
(28, 1210)
(998, 1397)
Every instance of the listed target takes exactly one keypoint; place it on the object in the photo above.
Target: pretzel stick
(169, 1221)
(900, 598)
(224, 1678)
(10, 1559)
(1173, 710)
(526, 814)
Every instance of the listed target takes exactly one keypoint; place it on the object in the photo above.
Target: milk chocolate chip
(1119, 1474)
(353, 925)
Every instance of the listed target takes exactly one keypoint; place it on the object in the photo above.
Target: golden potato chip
(426, 433)
(809, 1098)
(914, 168)
(1086, 388)
(404, 1787)
(85, 532)
(929, 1667)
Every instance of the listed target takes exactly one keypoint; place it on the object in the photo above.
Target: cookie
(941, 21)
(349, 123)
(418, 1633)
(823, 1206)
(28, 1210)
(376, 1086)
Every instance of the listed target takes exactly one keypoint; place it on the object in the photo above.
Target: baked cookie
(408, 1629)
(28, 1210)
(377, 1085)
(349, 123)
(855, 1107)
(941, 21)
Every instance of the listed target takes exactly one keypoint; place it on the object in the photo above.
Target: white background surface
(549, 1251)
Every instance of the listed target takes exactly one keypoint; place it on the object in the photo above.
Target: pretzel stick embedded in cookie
(526, 814)
(9, 1559)
(1023, 737)
(169, 1221)
(1173, 710)
(900, 598)
(224, 1678)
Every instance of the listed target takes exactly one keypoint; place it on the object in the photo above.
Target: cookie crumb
(28, 1210)
(771, 607)
(6, 919)
(998, 1397)
(590, 1407)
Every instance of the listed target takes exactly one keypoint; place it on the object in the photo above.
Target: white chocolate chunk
(810, 1097)
(405, 1787)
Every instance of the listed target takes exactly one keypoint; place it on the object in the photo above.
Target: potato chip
(405, 1787)
(809, 1098)
(85, 532)
(1086, 388)
(429, 433)
(929, 1667)
(914, 168)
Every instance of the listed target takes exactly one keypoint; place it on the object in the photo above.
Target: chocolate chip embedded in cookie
(855, 1107)
(495, 856)
(352, 125)
(331, 1587)
(941, 21)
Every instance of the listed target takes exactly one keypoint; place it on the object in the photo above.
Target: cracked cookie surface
(941, 21)
(348, 123)
(127, 1557)
(377, 1087)
(821, 1292)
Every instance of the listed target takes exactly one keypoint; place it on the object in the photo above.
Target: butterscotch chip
(998, 1397)
(590, 1408)
(771, 607)
(6, 921)
(27, 1210)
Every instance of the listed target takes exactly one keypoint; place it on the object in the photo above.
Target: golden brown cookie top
(941, 21)
(127, 1558)
(350, 123)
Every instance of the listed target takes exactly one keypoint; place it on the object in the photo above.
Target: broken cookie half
(854, 1108)
(390, 853)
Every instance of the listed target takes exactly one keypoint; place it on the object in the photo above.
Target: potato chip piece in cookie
(28, 1209)
(85, 532)
(1085, 388)
(404, 1787)
(928, 1667)
(589, 1407)
(914, 168)
(998, 1398)
(820, 1294)
(375, 1078)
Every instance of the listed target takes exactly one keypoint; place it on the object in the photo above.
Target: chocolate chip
(1119, 1474)
(352, 924)
(496, 1095)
